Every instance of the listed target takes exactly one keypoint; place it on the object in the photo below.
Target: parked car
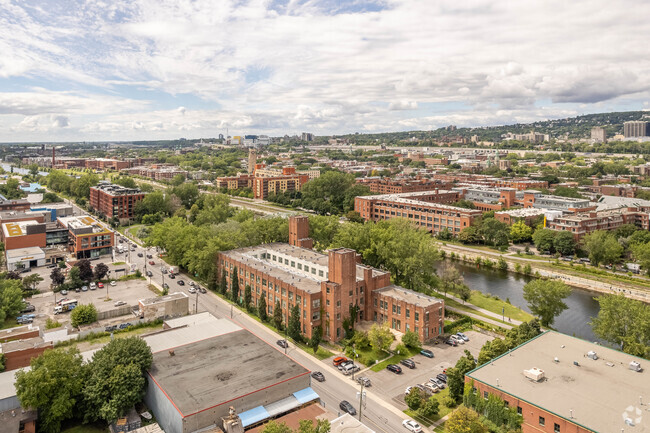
(140, 255)
(28, 309)
(408, 390)
(432, 387)
(202, 290)
(318, 376)
(151, 262)
(412, 426)
(165, 286)
(344, 364)
(93, 285)
(78, 289)
(119, 303)
(394, 368)
(149, 274)
(349, 368)
(408, 363)
(110, 328)
(181, 282)
(24, 320)
(192, 283)
(345, 406)
(282, 343)
(463, 336)
(172, 276)
(149, 256)
(63, 292)
(100, 285)
(451, 342)
(191, 289)
(113, 283)
(457, 339)
(163, 270)
(422, 388)
(442, 376)
(427, 353)
(84, 288)
(338, 360)
(124, 325)
(439, 383)
(363, 379)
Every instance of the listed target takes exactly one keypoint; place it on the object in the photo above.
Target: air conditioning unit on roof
(534, 374)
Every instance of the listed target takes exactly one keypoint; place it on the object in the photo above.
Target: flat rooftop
(160, 299)
(17, 331)
(411, 198)
(19, 228)
(209, 373)
(18, 345)
(83, 222)
(402, 294)
(598, 391)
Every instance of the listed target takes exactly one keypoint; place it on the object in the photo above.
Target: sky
(73, 70)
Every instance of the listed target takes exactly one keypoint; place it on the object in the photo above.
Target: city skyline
(162, 70)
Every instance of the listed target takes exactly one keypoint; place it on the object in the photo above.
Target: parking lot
(391, 386)
(126, 291)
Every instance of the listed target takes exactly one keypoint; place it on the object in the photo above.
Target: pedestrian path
(484, 311)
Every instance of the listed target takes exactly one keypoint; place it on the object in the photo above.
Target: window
(506, 403)
(300, 266)
(556, 428)
(320, 273)
(328, 290)
(306, 268)
(313, 271)
(394, 308)
(417, 316)
(485, 396)
(375, 302)
(293, 264)
(408, 313)
(519, 410)
(473, 390)
(284, 291)
(542, 421)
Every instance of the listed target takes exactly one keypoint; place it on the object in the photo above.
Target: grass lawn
(119, 263)
(440, 428)
(443, 410)
(369, 356)
(105, 337)
(85, 428)
(495, 305)
(395, 359)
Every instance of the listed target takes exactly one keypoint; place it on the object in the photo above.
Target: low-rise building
(386, 185)
(164, 307)
(14, 418)
(157, 171)
(269, 181)
(19, 353)
(106, 164)
(87, 237)
(536, 199)
(561, 384)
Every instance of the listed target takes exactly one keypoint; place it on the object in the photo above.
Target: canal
(573, 321)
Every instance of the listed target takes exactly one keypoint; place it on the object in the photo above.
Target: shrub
(401, 349)
(449, 402)
(51, 324)
(83, 315)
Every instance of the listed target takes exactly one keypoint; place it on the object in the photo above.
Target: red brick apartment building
(157, 171)
(325, 286)
(399, 186)
(609, 219)
(19, 204)
(87, 237)
(286, 180)
(115, 201)
(106, 164)
(561, 384)
(242, 180)
(520, 184)
(428, 209)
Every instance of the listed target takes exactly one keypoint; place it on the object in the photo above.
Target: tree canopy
(546, 299)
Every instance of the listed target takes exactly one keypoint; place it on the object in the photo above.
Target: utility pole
(196, 303)
(361, 398)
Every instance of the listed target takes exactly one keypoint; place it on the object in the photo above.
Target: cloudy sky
(149, 69)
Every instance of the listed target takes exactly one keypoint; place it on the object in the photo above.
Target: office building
(561, 384)
(636, 128)
(328, 284)
(115, 201)
(427, 209)
(87, 237)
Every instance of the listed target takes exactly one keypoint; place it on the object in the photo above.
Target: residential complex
(380, 185)
(157, 171)
(636, 128)
(561, 384)
(115, 201)
(329, 284)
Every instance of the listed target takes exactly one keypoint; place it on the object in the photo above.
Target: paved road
(379, 413)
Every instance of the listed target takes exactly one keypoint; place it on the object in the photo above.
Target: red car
(151, 262)
(339, 359)
(100, 285)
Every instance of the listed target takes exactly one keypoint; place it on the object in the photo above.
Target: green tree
(412, 340)
(294, 324)
(502, 264)
(450, 278)
(332, 193)
(116, 379)
(463, 292)
(74, 278)
(494, 232)
(544, 239)
(248, 298)
(277, 427)
(100, 271)
(261, 309)
(11, 298)
(470, 235)
(520, 232)
(354, 217)
(456, 376)
(31, 281)
(315, 339)
(178, 180)
(188, 193)
(602, 247)
(223, 285)
(53, 386)
(414, 399)
(624, 322)
(464, 420)
(277, 316)
(564, 243)
(57, 276)
(641, 253)
(234, 287)
(85, 269)
(546, 299)
(429, 407)
(83, 315)
(308, 426)
(380, 336)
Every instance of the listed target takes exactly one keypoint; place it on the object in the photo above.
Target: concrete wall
(115, 312)
(168, 417)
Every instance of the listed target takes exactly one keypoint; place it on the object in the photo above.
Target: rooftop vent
(635, 366)
(535, 374)
(592, 355)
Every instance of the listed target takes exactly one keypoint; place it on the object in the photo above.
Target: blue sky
(154, 69)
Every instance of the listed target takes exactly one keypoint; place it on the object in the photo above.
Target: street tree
(315, 339)
(294, 324)
(248, 298)
(223, 285)
(464, 420)
(116, 378)
(412, 340)
(74, 277)
(456, 376)
(277, 316)
(31, 281)
(414, 399)
(380, 336)
(624, 322)
(57, 277)
(602, 247)
(546, 299)
(101, 270)
(11, 298)
(53, 386)
(261, 309)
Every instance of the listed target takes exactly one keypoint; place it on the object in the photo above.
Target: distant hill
(571, 127)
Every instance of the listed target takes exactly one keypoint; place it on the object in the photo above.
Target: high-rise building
(636, 128)
(598, 134)
(307, 136)
(252, 160)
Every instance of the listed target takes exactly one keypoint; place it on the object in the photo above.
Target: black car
(124, 325)
(407, 363)
(282, 343)
(394, 368)
(318, 376)
(149, 274)
(442, 377)
(172, 276)
(181, 282)
(110, 328)
(202, 290)
(345, 406)
(149, 256)
(140, 255)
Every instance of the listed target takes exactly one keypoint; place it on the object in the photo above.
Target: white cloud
(304, 66)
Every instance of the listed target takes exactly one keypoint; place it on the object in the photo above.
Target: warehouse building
(202, 366)
(561, 384)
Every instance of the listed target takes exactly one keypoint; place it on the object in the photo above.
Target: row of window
(541, 420)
